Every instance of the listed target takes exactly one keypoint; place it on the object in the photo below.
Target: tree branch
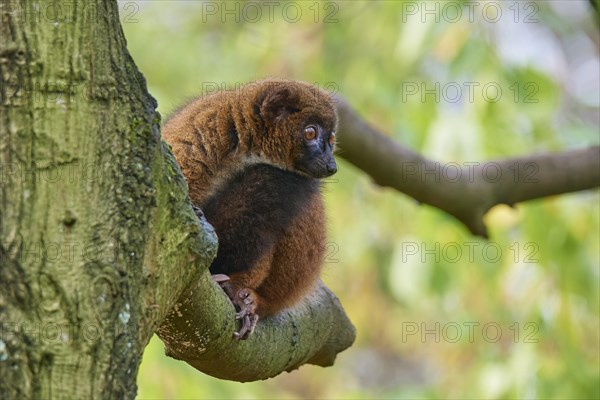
(199, 330)
(466, 192)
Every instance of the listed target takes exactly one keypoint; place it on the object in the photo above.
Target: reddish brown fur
(300, 271)
(203, 132)
(215, 140)
(281, 280)
(280, 232)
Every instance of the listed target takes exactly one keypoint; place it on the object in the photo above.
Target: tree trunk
(83, 179)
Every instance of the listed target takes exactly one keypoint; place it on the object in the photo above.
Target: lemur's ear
(279, 102)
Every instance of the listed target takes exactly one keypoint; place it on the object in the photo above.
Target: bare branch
(467, 192)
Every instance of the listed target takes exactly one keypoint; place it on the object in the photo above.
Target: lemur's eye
(310, 132)
(332, 138)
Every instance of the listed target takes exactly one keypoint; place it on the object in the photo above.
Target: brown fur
(240, 151)
(291, 278)
(216, 135)
(271, 228)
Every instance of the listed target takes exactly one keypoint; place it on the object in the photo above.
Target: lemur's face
(303, 120)
(316, 155)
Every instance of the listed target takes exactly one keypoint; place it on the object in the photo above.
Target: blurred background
(439, 313)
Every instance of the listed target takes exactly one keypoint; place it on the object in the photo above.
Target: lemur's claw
(220, 278)
(248, 324)
(197, 211)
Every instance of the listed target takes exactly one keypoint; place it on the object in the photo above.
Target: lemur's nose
(332, 168)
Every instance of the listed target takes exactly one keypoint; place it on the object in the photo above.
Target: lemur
(253, 159)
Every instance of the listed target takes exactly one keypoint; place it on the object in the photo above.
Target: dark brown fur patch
(268, 213)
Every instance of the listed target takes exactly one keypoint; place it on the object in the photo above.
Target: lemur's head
(300, 121)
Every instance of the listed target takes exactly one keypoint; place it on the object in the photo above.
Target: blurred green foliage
(439, 314)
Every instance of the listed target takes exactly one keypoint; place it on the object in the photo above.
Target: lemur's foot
(245, 302)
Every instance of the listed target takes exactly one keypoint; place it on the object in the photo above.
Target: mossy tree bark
(86, 196)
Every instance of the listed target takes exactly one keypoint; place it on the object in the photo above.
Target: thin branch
(465, 191)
